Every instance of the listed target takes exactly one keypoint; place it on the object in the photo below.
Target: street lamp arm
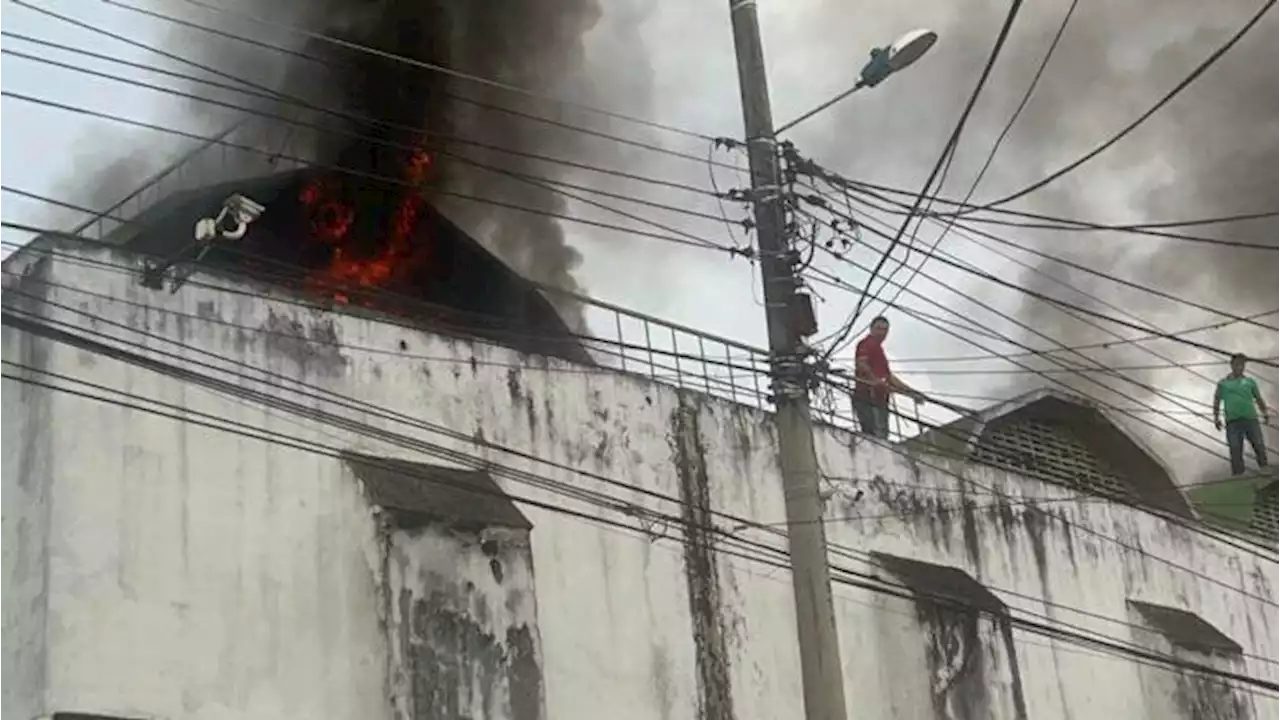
(787, 126)
(884, 62)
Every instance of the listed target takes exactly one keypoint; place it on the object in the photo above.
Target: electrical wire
(937, 323)
(1062, 303)
(753, 354)
(328, 65)
(1081, 226)
(1152, 229)
(435, 144)
(187, 411)
(1047, 354)
(648, 353)
(906, 257)
(554, 186)
(47, 330)
(1056, 371)
(1137, 502)
(247, 87)
(487, 82)
(991, 156)
(843, 577)
(99, 320)
(968, 339)
(999, 399)
(1104, 303)
(1059, 223)
(1142, 420)
(364, 349)
(1162, 392)
(949, 148)
(732, 386)
(745, 222)
(543, 183)
(1103, 345)
(968, 232)
(703, 244)
(289, 100)
(1108, 143)
(1170, 363)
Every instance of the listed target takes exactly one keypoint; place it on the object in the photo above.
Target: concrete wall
(28, 470)
(198, 573)
(462, 615)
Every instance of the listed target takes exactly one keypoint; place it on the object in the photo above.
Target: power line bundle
(815, 212)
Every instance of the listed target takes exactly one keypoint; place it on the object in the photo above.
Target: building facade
(222, 502)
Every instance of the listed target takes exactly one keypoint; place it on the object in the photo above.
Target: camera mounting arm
(230, 224)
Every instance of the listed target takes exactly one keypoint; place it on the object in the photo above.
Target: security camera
(232, 222)
(245, 210)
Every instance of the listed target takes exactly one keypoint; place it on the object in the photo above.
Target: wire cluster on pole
(815, 221)
(630, 517)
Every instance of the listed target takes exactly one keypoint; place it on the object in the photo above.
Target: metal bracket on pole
(231, 223)
(792, 376)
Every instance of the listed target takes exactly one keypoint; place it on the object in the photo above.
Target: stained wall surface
(214, 558)
(27, 471)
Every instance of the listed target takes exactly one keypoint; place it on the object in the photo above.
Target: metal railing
(620, 339)
(674, 354)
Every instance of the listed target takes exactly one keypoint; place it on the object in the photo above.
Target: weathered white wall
(28, 465)
(462, 616)
(195, 573)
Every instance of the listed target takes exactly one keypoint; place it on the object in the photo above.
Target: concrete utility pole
(806, 534)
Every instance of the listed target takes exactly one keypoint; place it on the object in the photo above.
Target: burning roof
(376, 244)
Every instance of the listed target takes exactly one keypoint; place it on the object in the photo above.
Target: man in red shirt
(875, 383)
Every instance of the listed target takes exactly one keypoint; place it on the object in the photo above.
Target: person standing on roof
(1238, 395)
(875, 383)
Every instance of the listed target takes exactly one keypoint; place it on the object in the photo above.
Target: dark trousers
(1237, 432)
(873, 417)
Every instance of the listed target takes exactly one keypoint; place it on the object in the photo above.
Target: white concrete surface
(155, 568)
(28, 469)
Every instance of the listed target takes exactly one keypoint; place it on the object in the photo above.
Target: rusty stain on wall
(464, 642)
(701, 573)
(1200, 697)
(957, 682)
(963, 654)
(314, 347)
(30, 455)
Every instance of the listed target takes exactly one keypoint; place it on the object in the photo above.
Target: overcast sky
(674, 62)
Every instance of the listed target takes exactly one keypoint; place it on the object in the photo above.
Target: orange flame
(332, 217)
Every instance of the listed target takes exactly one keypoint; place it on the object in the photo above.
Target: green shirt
(1237, 395)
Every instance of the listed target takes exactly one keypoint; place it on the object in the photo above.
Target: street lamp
(884, 62)
(820, 667)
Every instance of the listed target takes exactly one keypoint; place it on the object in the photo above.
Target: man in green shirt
(1237, 395)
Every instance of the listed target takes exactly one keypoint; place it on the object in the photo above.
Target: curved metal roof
(1145, 475)
(459, 288)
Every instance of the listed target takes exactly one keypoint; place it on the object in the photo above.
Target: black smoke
(1210, 152)
(535, 45)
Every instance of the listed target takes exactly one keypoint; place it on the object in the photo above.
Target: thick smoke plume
(532, 45)
(1210, 152)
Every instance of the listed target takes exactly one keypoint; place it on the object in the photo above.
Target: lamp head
(908, 48)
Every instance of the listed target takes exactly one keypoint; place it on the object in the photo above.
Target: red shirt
(871, 352)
